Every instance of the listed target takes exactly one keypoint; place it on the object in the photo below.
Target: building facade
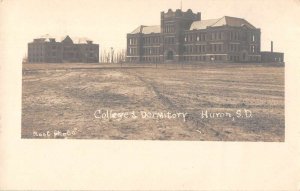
(185, 37)
(272, 57)
(47, 49)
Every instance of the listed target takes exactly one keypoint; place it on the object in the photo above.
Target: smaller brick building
(272, 57)
(48, 49)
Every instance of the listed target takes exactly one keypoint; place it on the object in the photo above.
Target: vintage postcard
(169, 72)
(190, 76)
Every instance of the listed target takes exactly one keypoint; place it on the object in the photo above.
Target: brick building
(185, 37)
(49, 49)
(272, 57)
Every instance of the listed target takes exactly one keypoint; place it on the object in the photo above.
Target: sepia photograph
(187, 77)
(149, 95)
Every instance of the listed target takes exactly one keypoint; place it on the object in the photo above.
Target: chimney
(271, 46)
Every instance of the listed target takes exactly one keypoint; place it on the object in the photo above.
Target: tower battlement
(178, 20)
(178, 13)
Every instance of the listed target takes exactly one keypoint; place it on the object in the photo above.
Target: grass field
(60, 101)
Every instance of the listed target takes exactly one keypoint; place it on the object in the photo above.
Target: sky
(108, 22)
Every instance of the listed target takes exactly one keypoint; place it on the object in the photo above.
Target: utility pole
(112, 55)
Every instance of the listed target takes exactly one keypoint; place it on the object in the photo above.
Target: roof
(76, 40)
(203, 24)
(147, 29)
(81, 40)
(47, 38)
(226, 20)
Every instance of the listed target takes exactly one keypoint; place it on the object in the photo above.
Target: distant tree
(25, 59)
(112, 55)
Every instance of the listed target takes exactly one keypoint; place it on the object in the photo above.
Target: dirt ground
(246, 102)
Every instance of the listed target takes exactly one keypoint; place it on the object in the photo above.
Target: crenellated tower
(173, 25)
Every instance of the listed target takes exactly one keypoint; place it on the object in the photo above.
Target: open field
(61, 101)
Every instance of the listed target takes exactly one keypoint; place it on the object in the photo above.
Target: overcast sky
(107, 21)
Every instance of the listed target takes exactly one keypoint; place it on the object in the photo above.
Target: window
(169, 40)
(252, 48)
(244, 56)
(253, 38)
(168, 29)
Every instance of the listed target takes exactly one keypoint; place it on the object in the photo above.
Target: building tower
(173, 25)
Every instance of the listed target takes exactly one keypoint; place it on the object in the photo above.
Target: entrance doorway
(244, 56)
(170, 55)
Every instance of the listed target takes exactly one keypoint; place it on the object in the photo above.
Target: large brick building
(185, 37)
(53, 50)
